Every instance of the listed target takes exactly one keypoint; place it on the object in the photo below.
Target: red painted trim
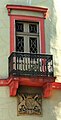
(56, 85)
(14, 82)
(27, 8)
(11, 34)
(5, 82)
(43, 50)
(30, 81)
(47, 90)
(26, 18)
(48, 87)
(13, 87)
(35, 81)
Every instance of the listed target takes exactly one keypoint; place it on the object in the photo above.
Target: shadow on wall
(57, 104)
(50, 27)
(52, 107)
(58, 111)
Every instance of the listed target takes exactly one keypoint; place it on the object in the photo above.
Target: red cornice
(27, 8)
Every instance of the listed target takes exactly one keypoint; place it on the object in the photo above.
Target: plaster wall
(8, 107)
(52, 33)
(51, 106)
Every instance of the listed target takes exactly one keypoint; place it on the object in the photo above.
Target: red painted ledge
(14, 82)
(27, 8)
(30, 81)
(56, 85)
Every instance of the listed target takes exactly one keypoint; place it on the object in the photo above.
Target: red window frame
(14, 17)
(26, 18)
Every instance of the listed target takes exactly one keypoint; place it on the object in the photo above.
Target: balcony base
(46, 83)
(40, 82)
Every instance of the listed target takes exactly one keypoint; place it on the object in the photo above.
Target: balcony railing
(27, 64)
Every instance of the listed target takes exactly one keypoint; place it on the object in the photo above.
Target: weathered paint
(8, 107)
(52, 33)
(52, 106)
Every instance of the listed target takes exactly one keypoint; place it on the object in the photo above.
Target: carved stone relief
(29, 101)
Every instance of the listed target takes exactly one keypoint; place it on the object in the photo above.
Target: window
(27, 36)
(35, 21)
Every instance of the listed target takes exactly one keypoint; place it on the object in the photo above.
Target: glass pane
(33, 44)
(32, 28)
(20, 43)
(19, 27)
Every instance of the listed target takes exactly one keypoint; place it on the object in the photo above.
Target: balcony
(28, 64)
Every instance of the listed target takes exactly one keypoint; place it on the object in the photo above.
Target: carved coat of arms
(29, 104)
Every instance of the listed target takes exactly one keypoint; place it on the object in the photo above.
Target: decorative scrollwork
(29, 104)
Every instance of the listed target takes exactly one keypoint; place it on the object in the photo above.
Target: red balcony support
(47, 92)
(14, 82)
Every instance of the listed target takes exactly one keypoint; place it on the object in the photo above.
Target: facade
(30, 75)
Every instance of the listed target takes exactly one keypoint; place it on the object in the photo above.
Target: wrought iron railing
(28, 64)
